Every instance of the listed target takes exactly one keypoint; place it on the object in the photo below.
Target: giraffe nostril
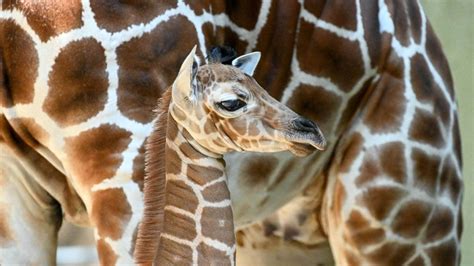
(305, 125)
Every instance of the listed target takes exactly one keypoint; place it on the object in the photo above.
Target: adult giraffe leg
(29, 217)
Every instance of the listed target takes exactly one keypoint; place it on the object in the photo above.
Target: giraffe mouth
(305, 137)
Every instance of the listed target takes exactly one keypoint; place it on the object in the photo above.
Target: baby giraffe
(209, 110)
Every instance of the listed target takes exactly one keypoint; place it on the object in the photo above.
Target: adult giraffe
(80, 80)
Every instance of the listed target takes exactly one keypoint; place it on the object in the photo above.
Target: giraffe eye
(232, 105)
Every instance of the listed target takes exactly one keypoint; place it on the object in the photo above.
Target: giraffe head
(225, 109)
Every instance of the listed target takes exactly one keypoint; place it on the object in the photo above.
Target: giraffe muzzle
(305, 136)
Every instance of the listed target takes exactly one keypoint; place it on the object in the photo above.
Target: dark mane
(154, 186)
(221, 54)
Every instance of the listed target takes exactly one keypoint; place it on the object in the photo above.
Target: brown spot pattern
(391, 253)
(332, 12)
(323, 54)
(213, 193)
(181, 196)
(50, 18)
(78, 83)
(443, 254)
(190, 151)
(217, 223)
(392, 160)
(440, 224)
(110, 212)
(315, 103)
(426, 171)
(427, 90)
(5, 231)
(138, 174)
(425, 128)
(29, 131)
(149, 64)
(386, 107)
(202, 175)
(117, 15)
(173, 253)
(210, 256)
(450, 183)
(106, 255)
(411, 218)
(179, 225)
(18, 51)
(95, 154)
(352, 149)
(438, 58)
(274, 68)
(381, 200)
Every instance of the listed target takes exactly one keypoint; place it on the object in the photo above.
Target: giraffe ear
(247, 62)
(182, 86)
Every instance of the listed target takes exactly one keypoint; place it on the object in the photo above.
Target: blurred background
(454, 23)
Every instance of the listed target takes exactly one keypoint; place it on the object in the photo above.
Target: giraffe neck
(192, 215)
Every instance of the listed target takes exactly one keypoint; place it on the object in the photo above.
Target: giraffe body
(372, 73)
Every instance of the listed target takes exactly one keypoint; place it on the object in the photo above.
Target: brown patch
(172, 253)
(173, 162)
(257, 170)
(356, 221)
(217, 223)
(190, 151)
(381, 200)
(180, 195)
(106, 255)
(317, 104)
(110, 212)
(210, 256)
(213, 193)
(391, 253)
(411, 218)
(427, 90)
(78, 83)
(386, 107)
(118, 15)
(215, 35)
(415, 20)
(426, 171)
(324, 54)
(398, 12)
(202, 175)
(149, 64)
(440, 224)
(369, 236)
(425, 128)
(392, 161)
(341, 13)
(18, 51)
(50, 18)
(138, 174)
(444, 254)
(450, 183)
(438, 58)
(178, 225)
(369, 170)
(244, 14)
(274, 69)
(378, 44)
(95, 154)
(456, 140)
(353, 148)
